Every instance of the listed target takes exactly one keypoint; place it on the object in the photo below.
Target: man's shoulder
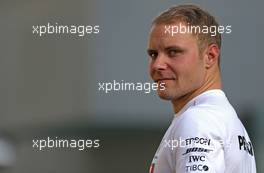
(201, 120)
(220, 112)
(208, 120)
(201, 114)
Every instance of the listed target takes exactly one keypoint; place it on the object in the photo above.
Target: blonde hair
(194, 16)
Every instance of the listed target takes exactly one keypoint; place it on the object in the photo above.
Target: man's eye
(153, 55)
(173, 53)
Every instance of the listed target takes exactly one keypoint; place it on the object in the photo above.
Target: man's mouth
(163, 79)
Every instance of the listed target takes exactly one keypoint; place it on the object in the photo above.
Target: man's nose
(160, 63)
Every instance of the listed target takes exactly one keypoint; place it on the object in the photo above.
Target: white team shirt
(205, 136)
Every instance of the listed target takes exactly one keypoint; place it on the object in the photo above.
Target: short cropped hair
(194, 16)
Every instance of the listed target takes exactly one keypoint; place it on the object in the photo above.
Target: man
(205, 134)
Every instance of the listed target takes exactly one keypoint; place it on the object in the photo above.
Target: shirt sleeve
(199, 144)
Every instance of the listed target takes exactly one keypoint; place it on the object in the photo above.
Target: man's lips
(163, 79)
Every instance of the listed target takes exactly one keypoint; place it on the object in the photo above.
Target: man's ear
(212, 55)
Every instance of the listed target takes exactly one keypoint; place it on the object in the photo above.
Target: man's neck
(179, 103)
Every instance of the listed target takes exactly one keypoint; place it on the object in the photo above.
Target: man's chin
(164, 95)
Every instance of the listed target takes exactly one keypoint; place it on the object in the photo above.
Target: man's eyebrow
(173, 48)
(151, 50)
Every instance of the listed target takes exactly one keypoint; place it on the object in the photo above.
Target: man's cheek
(151, 73)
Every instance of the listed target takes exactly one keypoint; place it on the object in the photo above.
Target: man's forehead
(162, 41)
(159, 37)
(159, 31)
